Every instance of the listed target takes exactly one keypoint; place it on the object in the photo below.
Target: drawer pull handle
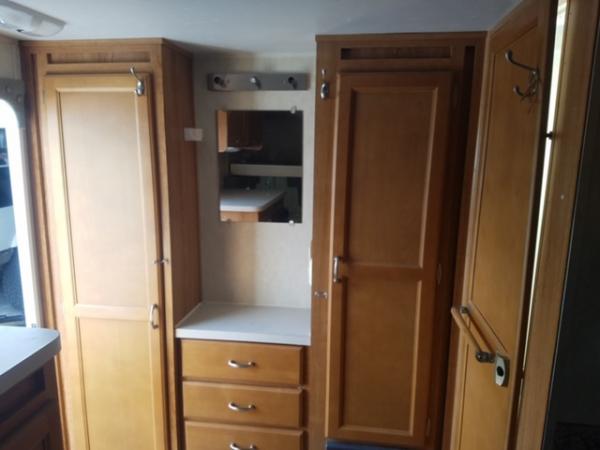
(234, 446)
(236, 407)
(238, 365)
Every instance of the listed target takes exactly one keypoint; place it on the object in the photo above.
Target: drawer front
(279, 407)
(201, 436)
(242, 362)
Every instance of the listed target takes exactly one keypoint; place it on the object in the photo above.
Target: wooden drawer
(241, 362)
(203, 436)
(279, 407)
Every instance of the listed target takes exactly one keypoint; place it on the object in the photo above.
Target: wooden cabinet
(386, 233)
(242, 394)
(29, 415)
(116, 190)
(239, 130)
(391, 142)
(502, 240)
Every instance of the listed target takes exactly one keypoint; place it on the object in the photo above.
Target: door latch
(501, 370)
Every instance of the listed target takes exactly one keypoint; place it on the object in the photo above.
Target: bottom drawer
(203, 436)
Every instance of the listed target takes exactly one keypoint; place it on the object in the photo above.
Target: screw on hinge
(321, 295)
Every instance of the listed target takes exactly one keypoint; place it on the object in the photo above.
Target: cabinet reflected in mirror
(260, 166)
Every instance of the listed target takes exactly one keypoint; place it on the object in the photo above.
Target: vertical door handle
(153, 311)
(324, 86)
(336, 270)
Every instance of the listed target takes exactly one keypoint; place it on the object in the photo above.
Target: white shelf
(246, 323)
(265, 170)
(240, 200)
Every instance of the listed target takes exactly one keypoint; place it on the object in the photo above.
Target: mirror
(260, 166)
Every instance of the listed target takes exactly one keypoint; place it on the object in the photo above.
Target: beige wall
(253, 263)
(9, 58)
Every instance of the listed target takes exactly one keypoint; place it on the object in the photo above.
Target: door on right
(493, 315)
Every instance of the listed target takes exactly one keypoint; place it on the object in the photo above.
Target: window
(18, 276)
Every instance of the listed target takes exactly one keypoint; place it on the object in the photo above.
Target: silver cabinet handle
(153, 310)
(324, 90)
(234, 446)
(336, 269)
(238, 365)
(324, 85)
(235, 407)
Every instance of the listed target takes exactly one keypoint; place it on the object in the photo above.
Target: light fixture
(26, 21)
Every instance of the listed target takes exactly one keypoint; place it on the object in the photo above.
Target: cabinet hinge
(438, 276)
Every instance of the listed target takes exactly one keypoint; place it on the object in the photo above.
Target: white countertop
(246, 323)
(23, 351)
(241, 200)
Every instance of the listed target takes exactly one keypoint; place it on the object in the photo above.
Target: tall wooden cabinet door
(500, 236)
(101, 199)
(390, 155)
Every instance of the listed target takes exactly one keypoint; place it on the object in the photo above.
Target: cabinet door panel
(100, 189)
(391, 147)
(501, 237)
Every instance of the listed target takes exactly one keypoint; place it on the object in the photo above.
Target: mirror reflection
(260, 166)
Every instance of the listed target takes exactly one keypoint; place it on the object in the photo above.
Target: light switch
(193, 134)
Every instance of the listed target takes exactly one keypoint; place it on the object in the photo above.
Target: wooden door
(101, 202)
(494, 312)
(390, 155)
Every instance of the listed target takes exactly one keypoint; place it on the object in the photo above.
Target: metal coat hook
(534, 77)
(140, 88)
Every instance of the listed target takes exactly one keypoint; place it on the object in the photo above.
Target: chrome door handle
(336, 270)
(480, 355)
(324, 85)
(238, 365)
(153, 311)
(234, 446)
(235, 407)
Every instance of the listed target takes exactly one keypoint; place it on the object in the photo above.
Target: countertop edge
(242, 337)
(30, 364)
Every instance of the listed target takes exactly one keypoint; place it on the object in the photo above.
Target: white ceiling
(265, 26)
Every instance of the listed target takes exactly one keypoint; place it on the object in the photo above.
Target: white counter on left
(23, 351)
(246, 323)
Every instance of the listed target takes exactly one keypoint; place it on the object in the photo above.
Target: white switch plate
(193, 134)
